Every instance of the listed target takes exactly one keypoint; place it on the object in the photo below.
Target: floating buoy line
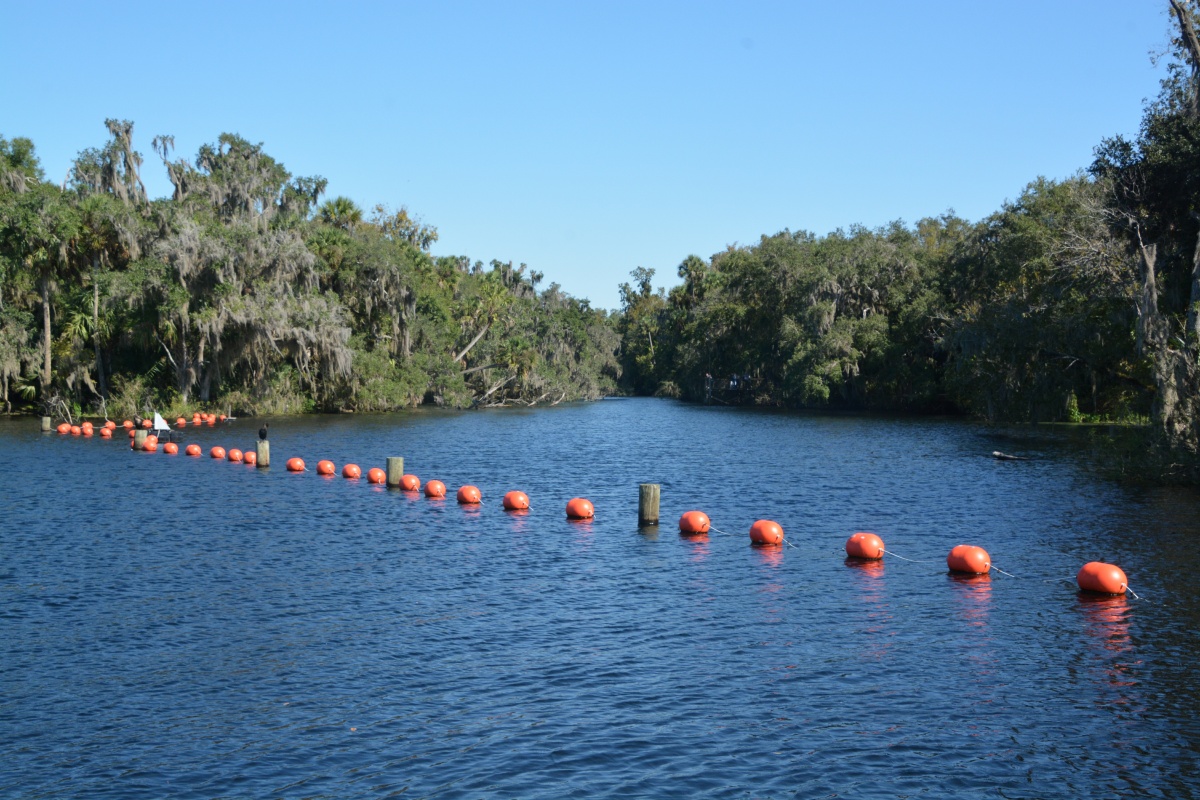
(1094, 577)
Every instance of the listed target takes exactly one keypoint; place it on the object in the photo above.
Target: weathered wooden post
(139, 438)
(395, 470)
(263, 452)
(46, 428)
(648, 494)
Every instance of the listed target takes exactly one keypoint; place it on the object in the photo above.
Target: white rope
(718, 530)
(1002, 572)
(913, 560)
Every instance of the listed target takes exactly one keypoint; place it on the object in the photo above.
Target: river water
(175, 627)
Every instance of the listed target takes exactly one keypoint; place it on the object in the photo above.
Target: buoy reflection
(698, 547)
(1106, 620)
(868, 575)
(770, 555)
(974, 596)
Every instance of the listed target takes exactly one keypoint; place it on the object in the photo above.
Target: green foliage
(235, 295)
(1007, 318)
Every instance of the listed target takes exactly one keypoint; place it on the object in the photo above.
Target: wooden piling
(648, 494)
(263, 451)
(395, 470)
(46, 426)
(139, 438)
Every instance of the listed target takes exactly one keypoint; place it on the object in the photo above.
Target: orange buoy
(435, 489)
(127, 424)
(1096, 576)
(968, 558)
(87, 431)
(326, 467)
(76, 430)
(192, 449)
(152, 438)
(147, 424)
(766, 531)
(250, 457)
(217, 452)
(694, 522)
(149, 447)
(64, 427)
(222, 418)
(180, 421)
(864, 545)
(170, 448)
(196, 418)
(295, 465)
(87, 426)
(579, 508)
(106, 433)
(235, 455)
(469, 495)
(132, 433)
(410, 483)
(351, 471)
(110, 424)
(376, 475)
(516, 501)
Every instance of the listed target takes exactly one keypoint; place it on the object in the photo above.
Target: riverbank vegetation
(1077, 301)
(244, 291)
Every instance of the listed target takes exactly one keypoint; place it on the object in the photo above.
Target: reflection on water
(770, 555)
(698, 547)
(973, 596)
(257, 633)
(1106, 623)
(1106, 620)
(871, 598)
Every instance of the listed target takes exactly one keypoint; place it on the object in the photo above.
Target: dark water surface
(175, 627)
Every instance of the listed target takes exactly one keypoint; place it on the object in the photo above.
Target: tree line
(244, 291)
(1079, 300)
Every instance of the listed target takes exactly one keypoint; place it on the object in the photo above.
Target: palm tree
(341, 212)
(492, 300)
(39, 229)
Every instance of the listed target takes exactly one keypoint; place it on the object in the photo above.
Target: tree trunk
(474, 342)
(1191, 43)
(1193, 315)
(1147, 332)
(1175, 403)
(96, 333)
(184, 374)
(45, 287)
(407, 316)
(199, 365)
(206, 380)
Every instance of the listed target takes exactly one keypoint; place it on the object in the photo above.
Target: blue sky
(589, 138)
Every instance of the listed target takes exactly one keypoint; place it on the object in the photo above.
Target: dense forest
(1077, 301)
(245, 291)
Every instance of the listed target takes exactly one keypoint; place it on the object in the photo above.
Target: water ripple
(180, 627)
